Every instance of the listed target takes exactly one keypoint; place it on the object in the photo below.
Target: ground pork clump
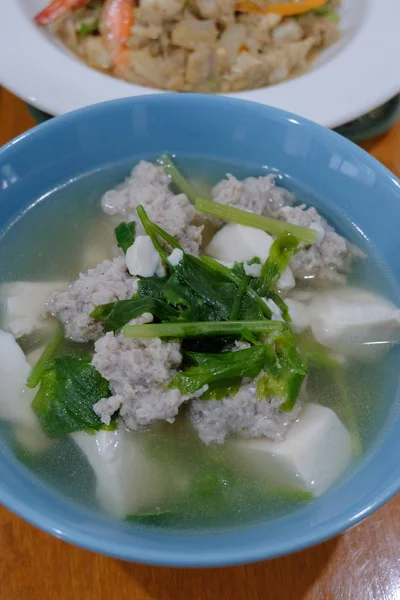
(108, 282)
(243, 415)
(328, 255)
(149, 185)
(139, 372)
(259, 195)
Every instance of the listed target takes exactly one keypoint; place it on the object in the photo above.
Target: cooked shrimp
(116, 27)
(56, 9)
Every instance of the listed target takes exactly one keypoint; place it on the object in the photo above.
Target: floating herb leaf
(69, 388)
(125, 235)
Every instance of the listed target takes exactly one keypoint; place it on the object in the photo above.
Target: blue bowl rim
(229, 556)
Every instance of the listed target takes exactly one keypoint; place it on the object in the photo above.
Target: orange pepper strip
(286, 9)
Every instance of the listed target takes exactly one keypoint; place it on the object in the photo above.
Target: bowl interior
(322, 167)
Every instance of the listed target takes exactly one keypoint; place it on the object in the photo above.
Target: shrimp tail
(56, 9)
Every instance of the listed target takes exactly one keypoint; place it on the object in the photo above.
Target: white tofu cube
(239, 243)
(15, 397)
(24, 302)
(175, 257)
(354, 320)
(143, 259)
(127, 480)
(316, 451)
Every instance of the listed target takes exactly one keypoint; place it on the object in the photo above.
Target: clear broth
(48, 241)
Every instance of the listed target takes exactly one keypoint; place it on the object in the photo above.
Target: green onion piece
(37, 372)
(176, 177)
(184, 330)
(273, 226)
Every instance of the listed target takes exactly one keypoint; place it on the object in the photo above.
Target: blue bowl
(320, 162)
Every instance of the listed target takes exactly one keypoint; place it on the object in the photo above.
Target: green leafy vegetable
(280, 254)
(254, 261)
(125, 234)
(37, 372)
(217, 368)
(229, 274)
(287, 380)
(273, 226)
(117, 314)
(176, 177)
(69, 388)
(182, 330)
(221, 389)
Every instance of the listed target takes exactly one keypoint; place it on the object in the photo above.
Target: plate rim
(345, 91)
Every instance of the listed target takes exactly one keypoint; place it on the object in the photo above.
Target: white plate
(353, 77)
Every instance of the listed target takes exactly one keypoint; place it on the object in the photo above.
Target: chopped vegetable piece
(219, 390)
(85, 29)
(235, 311)
(182, 330)
(236, 279)
(38, 370)
(284, 9)
(176, 177)
(125, 234)
(273, 226)
(280, 255)
(69, 388)
(287, 381)
(225, 367)
(118, 314)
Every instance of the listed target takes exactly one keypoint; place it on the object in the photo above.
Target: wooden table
(361, 564)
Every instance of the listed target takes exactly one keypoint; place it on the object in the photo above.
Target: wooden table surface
(361, 564)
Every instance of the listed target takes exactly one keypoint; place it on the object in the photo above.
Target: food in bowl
(216, 361)
(196, 46)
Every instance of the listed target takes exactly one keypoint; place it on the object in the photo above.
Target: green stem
(273, 226)
(184, 330)
(37, 371)
(237, 303)
(148, 226)
(176, 177)
(167, 237)
(214, 264)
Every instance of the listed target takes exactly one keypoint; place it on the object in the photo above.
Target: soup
(220, 359)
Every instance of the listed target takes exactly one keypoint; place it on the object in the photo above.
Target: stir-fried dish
(206, 363)
(196, 45)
